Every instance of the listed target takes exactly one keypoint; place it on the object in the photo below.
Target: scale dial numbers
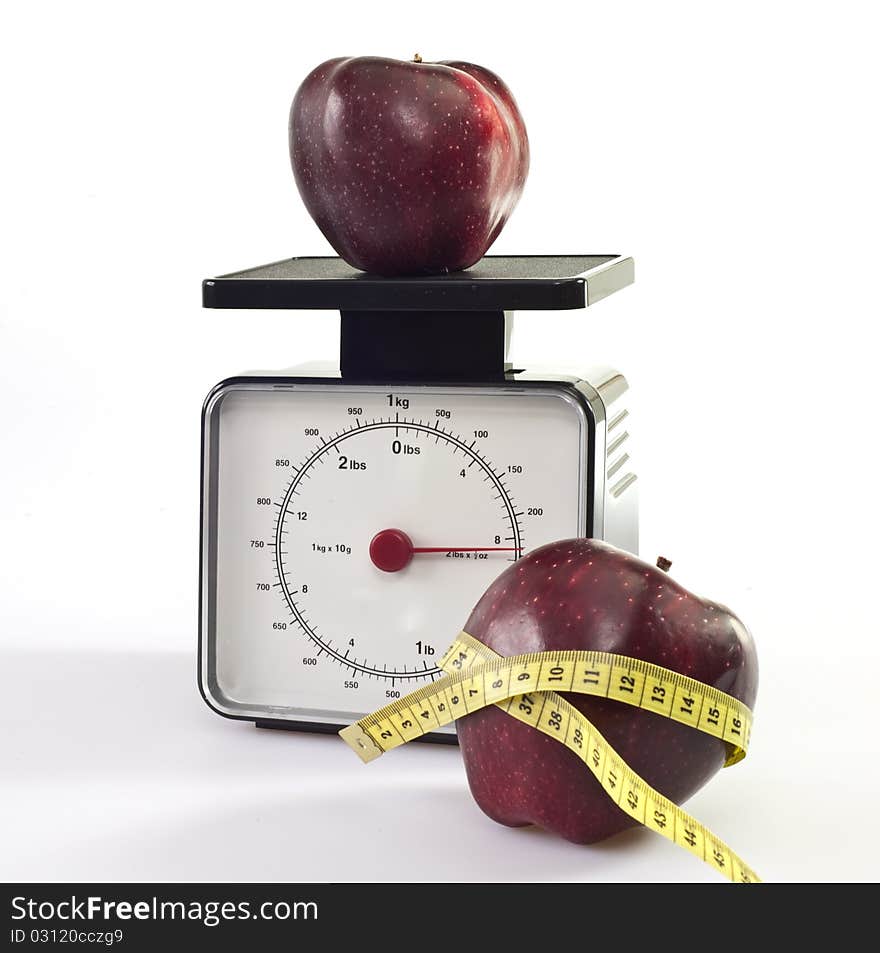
(431, 485)
(357, 527)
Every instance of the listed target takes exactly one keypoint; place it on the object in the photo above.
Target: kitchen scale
(354, 513)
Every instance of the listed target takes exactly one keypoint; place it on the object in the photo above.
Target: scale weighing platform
(353, 513)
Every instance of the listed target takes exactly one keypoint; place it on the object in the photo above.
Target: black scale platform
(439, 326)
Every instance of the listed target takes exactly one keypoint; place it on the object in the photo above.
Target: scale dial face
(350, 530)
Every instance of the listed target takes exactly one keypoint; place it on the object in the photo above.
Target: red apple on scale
(407, 167)
(584, 594)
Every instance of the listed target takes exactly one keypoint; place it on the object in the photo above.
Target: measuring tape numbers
(526, 686)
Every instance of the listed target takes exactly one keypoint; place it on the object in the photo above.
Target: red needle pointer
(391, 550)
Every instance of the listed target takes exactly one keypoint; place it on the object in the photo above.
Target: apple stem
(664, 563)
(417, 58)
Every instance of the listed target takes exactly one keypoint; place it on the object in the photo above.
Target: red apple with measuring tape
(583, 594)
(407, 167)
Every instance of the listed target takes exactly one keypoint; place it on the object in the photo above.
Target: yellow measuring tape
(526, 686)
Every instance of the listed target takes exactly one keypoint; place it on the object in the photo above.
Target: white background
(732, 149)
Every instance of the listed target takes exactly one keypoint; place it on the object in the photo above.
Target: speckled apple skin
(585, 594)
(407, 168)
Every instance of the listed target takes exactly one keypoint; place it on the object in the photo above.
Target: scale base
(433, 738)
